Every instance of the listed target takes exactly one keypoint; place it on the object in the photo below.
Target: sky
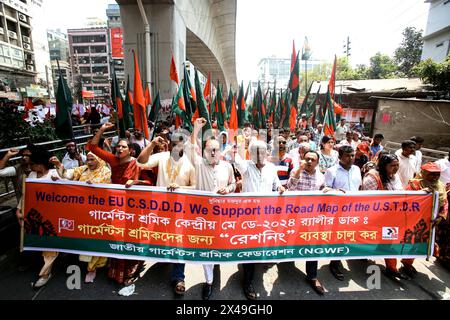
(268, 27)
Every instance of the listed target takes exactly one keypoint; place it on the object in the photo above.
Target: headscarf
(101, 174)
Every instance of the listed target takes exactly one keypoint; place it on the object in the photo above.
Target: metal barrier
(51, 146)
(427, 154)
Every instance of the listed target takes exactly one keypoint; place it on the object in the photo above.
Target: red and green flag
(117, 100)
(329, 122)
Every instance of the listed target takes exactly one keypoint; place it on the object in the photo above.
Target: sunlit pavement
(283, 281)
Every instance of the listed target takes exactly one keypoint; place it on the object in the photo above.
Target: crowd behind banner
(230, 146)
(257, 161)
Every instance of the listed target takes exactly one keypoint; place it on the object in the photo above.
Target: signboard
(185, 226)
(353, 115)
(116, 37)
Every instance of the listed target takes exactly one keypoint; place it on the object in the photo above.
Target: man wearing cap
(428, 180)
(407, 161)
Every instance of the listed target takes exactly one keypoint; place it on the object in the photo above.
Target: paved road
(284, 281)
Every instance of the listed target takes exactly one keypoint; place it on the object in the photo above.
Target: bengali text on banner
(185, 226)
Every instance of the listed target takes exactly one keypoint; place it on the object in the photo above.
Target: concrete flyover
(201, 31)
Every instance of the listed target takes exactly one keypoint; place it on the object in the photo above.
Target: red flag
(233, 126)
(332, 79)
(293, 119)
(207, 90)
(173, 71)
(139, 106)
(28, 106)
(148, 98)
(293, 56)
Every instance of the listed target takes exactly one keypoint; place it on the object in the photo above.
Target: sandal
(250, 292)
(317, 286)
(130, 281)
(179, 287)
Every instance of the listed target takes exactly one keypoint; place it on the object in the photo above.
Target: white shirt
(337, 177)
(254, 180)
(352, 144)
(47, 177)
(444, 164)
(69, 163)
(139, 142)
(186, 173)
(341, 132)
(418, 156)
(207, 177)
(407, 167)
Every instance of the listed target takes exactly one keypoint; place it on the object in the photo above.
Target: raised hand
(12, 152)
(55, 161)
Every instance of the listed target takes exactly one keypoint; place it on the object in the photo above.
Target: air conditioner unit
(26, 46)
(22, 17)
(26, 39)
(30, 68)
(12, 34)
(29, 61)
(2, 31)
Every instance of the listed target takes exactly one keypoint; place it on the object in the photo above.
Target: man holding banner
(258, 175)
(308, 178)
(212, 174)
(345, 177)
(174, 171)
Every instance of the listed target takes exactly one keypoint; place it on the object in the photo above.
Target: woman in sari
(33, 222)
(94, 172)
(123, 169)
(385, 177)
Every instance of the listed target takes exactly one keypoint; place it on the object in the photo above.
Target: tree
(346, 72)
(408, 54)
(436, 74)
(381, 67)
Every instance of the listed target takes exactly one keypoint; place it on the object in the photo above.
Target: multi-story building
(43, 66)
(437, 35)
(89, 51)
(279, 69)
(59, 52)
(115, 33)
(17, 58)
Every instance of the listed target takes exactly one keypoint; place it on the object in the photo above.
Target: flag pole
(142, 122)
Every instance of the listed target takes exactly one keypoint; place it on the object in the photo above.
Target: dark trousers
(177, 272)
(311, 270)
(336, 264)
(249, 272)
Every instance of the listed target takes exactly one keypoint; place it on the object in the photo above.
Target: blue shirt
(375, 149)
(337, 177)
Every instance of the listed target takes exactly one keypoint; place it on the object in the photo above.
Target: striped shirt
(284, 168)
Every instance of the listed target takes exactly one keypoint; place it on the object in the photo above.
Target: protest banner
(150, 223)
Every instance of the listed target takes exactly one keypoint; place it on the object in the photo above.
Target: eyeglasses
(281, 142)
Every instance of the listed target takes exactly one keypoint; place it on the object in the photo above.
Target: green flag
(201, 105)
(220, 109)
(128, 107)
(154, 113)
(117, 100)
(179, 108)
(189, 95)
(64, 102)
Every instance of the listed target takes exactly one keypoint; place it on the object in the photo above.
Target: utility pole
(347, 47)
